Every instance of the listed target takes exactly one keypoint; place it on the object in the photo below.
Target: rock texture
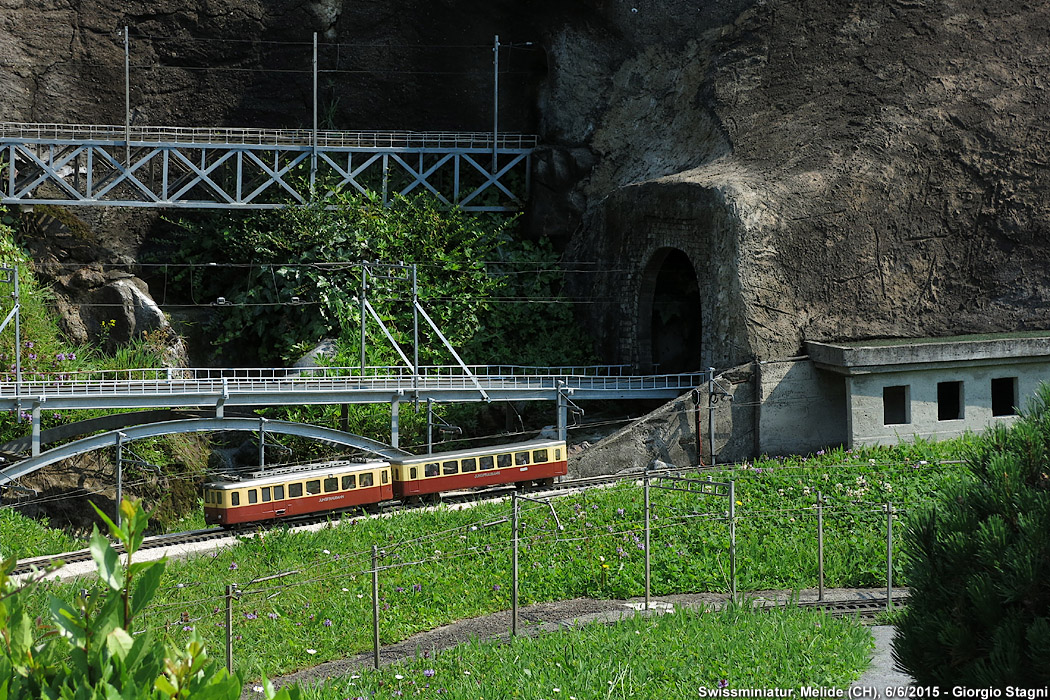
(828, 169)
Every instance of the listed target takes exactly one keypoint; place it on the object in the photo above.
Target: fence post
(648, 561)
(732, 536)
(711, 411)
(231, 589)
(889, 555)
(514, 567)
(375, 605)
(820, 546)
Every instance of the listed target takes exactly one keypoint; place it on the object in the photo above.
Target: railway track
(866, 608)
(26, 566)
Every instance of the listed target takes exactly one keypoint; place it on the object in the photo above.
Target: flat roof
(899, 354)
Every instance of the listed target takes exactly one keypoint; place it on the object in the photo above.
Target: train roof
(479, 451)
(280, 475)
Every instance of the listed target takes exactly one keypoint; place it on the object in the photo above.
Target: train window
(278, 493)
(539, 456)
(557, 454)
(349, 482)
(235, 498)
(219, 500)
(469, 465)
(266, 494)
(253, 496)
(295, 490)
(486, 463)
(430, 469)
(331, 484)
(313, 486)
(521, 458)
(451, 467)
(386, 476)
(413, 474)
(367, 480)
(503, 461)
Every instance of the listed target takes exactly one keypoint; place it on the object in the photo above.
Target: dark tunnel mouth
(670, 322)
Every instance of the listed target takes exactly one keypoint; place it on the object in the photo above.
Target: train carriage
(289, 492)
(537, 461)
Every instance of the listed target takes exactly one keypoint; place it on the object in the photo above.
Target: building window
(1004, 396)
(949, 401)
(895, 405)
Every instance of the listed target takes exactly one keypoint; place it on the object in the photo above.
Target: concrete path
(882, 673)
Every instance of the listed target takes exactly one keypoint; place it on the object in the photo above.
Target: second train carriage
(305, 490)
(538, 461)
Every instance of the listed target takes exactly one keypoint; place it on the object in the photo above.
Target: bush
(979, 566)
(87, 649)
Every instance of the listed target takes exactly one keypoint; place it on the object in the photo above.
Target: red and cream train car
(310, 489)
(537, 461)
(302, 491)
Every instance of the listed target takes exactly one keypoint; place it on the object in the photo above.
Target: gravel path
(549, 617)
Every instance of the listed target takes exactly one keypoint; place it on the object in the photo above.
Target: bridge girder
(195, 425)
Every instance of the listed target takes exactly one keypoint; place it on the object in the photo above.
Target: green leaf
(107, 561)
(69, 620)
(119, 642)
(146, 587)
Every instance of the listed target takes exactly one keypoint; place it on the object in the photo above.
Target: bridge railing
(109, 133)
(209, 380)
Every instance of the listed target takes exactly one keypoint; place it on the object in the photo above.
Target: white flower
(311, 651)
(398, 676)
(325, 551)
(257, 689)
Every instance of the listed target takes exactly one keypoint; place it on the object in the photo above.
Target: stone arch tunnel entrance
(669, 331)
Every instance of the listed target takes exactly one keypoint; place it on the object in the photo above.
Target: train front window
(503, 461)
(386, 476)
(235, 498)
(331, 484)
(521, 458)
(278, 493)
(431, 469)
(219, 499)
(413, 474)
(313, 487)
(557, 454)
(367, 480)
(487, 463)
(295, 490)
(451, 467)
(349, 482)
(253, 496)
(469, 465)
(539, 456)
(266, 494)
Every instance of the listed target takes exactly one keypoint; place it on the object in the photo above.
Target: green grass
(437, 567)
(23, 538)
(668, 656)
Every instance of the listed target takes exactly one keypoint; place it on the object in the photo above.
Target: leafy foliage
(87, 650)
(299, 283)
(979, 566)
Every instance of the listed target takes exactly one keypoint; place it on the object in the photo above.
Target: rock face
(792, 169)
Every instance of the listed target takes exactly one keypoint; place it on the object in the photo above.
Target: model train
(287, 492)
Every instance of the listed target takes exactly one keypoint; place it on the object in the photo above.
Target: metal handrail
(264, 137)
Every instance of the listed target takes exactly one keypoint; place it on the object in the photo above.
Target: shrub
(979, 566)
(87, 649)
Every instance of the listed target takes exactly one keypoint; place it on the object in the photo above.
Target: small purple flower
(327, 622)
(29, 343)
(417, 587)
(400, 589)
(187, 628)
(61, 357)
(429, 673)
(495, 588)
(32, 356)
(619, 511)
(724, 683)
(272, 616)
(233, 566)
(71, 356)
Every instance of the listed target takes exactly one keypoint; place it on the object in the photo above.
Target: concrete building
(897, 390)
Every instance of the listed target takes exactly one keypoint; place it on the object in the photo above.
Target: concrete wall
(801, 409)
(865, 395)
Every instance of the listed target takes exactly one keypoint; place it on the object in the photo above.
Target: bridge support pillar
(395, 404)
(36, 428)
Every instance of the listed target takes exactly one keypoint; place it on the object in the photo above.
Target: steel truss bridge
(218, 389)
(226, 168)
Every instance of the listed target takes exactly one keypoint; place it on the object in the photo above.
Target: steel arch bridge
(196, 425)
